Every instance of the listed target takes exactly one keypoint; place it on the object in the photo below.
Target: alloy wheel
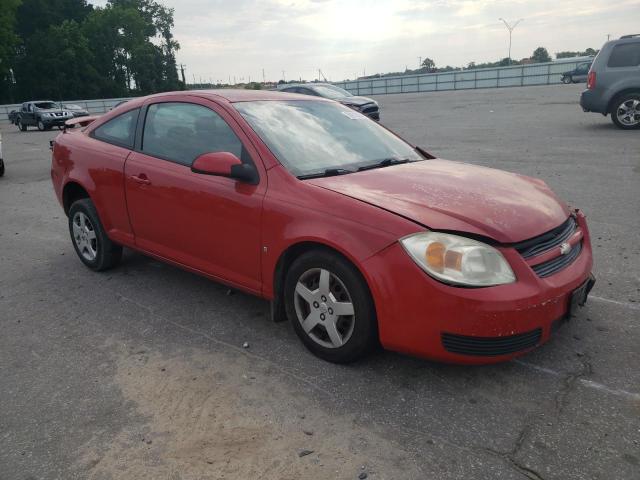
(84, 236)
(628, 112)
(324, 308)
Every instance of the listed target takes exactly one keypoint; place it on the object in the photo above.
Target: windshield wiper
(387, 162)
(329, 172)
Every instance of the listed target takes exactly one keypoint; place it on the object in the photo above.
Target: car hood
(359, 101)
(447, 195)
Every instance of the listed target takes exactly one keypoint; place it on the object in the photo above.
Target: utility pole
(283, 77)
(608, 36)
(263, 77)
(182, 67)
(419, 62)
(194, 78)
(510, 28)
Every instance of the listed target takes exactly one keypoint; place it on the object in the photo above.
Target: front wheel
(21, 126)
(41, 126)
(329, 304)
(1, 167)
(626, 111)
(93, 246)
(567, 79)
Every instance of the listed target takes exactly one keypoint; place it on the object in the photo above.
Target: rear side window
(181, 132)
(120, 130)
(625, 55)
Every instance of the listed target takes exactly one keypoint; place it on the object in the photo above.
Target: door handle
(141, 179)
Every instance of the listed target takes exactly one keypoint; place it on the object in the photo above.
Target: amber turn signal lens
(435, 256)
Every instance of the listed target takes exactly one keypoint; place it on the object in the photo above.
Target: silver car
(613, 83)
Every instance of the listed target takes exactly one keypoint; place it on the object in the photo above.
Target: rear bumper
(420, 316)
(592, 101)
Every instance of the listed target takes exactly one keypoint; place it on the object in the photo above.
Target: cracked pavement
(140, 372)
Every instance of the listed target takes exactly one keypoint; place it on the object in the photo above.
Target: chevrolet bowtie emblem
(565, 248)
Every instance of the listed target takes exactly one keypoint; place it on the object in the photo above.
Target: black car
(76, 110)
(43, 114)
(578, 74)
(363, 105)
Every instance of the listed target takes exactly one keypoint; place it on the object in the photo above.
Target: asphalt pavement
(140, 372)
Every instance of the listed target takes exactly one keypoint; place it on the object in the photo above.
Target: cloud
(222, 38)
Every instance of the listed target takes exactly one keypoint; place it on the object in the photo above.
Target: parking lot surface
(140, 372)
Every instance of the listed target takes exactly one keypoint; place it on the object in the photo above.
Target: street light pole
(510, 28)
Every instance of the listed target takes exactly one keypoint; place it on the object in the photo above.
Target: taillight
(591, 80)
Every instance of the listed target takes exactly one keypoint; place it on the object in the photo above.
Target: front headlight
(458, 260)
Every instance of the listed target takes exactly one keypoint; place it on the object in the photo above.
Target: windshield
(45, 105)
(329, 91)
(310, 136)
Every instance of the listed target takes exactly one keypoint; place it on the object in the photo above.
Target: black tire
(107, 253)
(617, 105)
(364, 332)
(21, 127)
(41, 126)
(567, 79)
(1, 168)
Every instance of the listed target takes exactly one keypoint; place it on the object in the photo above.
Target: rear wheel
(330, 306)
(93, 246)
(1, 167)
(567, 79)
(626, 111)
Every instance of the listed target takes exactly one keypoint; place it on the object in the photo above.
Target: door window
(625, 55)
(181, 132)
(119, 130)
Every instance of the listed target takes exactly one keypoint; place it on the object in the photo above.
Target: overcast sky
(222, 38)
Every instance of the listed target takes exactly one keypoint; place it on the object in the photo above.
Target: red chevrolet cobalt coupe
(354, 235)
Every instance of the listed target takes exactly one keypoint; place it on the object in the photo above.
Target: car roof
(237, 95)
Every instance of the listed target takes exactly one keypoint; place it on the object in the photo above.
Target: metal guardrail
(516, 76)
(92, 106)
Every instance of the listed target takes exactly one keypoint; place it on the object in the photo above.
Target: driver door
(207, 223)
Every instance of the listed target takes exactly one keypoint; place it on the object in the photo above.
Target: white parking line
(630, 305)
(582, 381)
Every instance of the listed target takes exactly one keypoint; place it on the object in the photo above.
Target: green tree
(8, 43)
(35, 15)
(540, 55)
(59, 64)
(429, 64)
(589, 52)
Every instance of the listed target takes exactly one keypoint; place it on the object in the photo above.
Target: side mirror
(225, 164)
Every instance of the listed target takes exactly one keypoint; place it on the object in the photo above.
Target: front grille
(490, 346)
(556, 264)
(547, 241)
